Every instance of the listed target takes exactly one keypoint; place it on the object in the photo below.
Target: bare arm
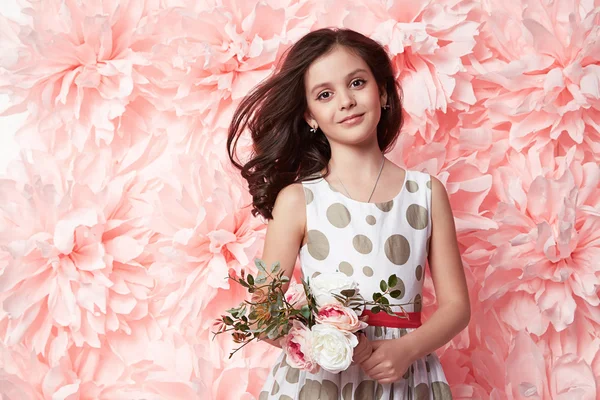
(454, 311)
(285, 233)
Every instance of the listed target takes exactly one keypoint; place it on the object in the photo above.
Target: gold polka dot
(422, 392)
(416, 216)
(362, 244)
(371, 220)
(378, 331)
(428, 184)
(397, 249)
(403, 332)
(338, 215)
(318, 245)
(308, 195)
(412, 186)
(332, 188)
(275, 389)
(347, 391)
(346, 268)
(385, 207)
(419, 272)
(401, 287)
(292, 375)
(285, 397)
(275, 369)
(315, 274)
(441, 390)
(379, 391)
(364, 390)
(368, 271)
(283, 363)
(418, 303)
(264, 395)
(313, 389)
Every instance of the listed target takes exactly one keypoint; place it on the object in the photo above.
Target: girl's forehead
(334, 65)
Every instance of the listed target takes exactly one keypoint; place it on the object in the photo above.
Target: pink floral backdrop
(123, 216)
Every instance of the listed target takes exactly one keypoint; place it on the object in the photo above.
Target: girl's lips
(353, 121)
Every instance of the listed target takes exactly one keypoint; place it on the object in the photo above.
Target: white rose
(332, 349)
(321, 286)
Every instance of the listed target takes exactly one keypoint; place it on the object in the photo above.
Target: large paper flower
(76, 62)
(77, 261)
(542, 72)
(542, 268)
(213, 57)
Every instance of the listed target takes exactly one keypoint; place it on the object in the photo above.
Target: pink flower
(77, 62)
(539, 71)
(296, 296)
(549, 223)
(298, 348)
(343, 318)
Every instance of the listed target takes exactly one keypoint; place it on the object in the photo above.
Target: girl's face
(339, 85)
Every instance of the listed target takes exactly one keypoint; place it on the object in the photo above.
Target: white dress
(369, 242)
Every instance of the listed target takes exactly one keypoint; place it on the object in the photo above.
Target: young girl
(320, 128)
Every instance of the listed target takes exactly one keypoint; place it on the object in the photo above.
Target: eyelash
(356, 80)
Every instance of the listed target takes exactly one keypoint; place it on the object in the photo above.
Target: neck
(356, 165)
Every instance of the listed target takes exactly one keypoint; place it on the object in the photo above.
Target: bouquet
(315, 321)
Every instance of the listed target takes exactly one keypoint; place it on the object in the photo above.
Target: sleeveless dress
(369, 242)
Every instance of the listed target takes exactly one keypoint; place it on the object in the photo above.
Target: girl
(320, 129)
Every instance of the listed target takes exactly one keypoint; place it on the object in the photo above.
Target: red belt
(384, 319)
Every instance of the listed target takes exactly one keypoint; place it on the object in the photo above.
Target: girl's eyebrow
(347, 76)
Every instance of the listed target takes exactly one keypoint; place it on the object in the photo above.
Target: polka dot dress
(368, 242)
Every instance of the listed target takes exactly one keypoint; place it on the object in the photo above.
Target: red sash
(384, 319)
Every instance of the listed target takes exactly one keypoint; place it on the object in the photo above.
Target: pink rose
(343, 318)
(297, 345)
(296, 296)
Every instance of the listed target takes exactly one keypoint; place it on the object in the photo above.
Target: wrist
(410, 347)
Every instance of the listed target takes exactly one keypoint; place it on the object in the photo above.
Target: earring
(385, 107)
(313, 130)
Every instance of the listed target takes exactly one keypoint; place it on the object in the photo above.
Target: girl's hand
(363, 350)
(389, 361)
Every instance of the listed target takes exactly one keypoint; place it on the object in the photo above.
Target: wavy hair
(284, 151)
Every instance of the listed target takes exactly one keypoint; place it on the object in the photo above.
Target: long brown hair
(284, 150)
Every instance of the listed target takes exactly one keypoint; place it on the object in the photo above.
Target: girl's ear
(309, 119)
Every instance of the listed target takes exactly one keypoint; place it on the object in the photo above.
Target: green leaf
(348, 292)
(375, 309)
(384, 300)
(396, 293)
(260, 264)
(275, 267)
(228, 321)
(383, 286)
(305, 310)
(392, 280)
(250, 279)
(376, 296)
(243, 283)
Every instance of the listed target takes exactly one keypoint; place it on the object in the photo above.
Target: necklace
(373, 191)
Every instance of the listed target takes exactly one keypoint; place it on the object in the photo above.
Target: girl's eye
(354, 81)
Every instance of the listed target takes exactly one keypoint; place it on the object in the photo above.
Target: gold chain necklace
(373, 191)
